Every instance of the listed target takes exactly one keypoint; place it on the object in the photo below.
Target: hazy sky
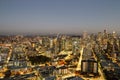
(59, 16)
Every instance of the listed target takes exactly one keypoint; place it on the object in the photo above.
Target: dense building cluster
(60, 57)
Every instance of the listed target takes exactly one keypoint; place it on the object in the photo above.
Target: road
(9, 55)
(99, 69)
(80, 59)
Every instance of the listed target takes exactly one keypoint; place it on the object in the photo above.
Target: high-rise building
(84, 35)
(95, 69)
(105, 34)
(89, 66)
(75, 46)
(0, 58)
(84, 66)
(51, 43)
(114, 34)
(57, 46)
(105, 31)
(63, 42)
(119, 43)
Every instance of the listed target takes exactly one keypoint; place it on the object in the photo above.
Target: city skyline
(69, 17)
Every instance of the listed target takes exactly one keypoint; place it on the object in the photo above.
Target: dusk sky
(59, 16)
